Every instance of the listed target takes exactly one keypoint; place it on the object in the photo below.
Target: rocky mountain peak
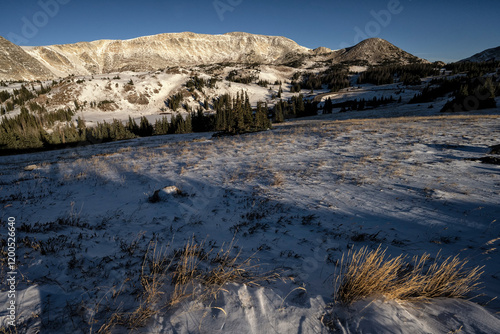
(377, 51)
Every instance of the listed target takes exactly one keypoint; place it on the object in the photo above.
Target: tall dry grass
(201, 275)
(366, 273)
(193, 273)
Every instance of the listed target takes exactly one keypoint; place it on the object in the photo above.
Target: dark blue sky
(445, 30)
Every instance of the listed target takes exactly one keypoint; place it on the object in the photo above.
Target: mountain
(165, 50)
(486, 55)
(16, 64)
(376, 51)
(182, 49)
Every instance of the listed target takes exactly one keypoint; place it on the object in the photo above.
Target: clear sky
(445, 30)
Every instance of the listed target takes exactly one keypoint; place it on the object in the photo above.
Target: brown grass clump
(192, 273)
(367, 273)
(201, 275)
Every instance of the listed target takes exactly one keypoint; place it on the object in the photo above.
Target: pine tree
(261, 119)
(132, 126)
(328, 107)
(145, 128)
(278, 113)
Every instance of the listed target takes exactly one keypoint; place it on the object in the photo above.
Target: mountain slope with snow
(376, 51)
(486, 55)
(164, 50)
(186, 49)
(16, 63)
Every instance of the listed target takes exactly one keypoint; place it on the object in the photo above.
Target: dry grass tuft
(201, 275)
(192, 273)
(278, 179)
(367, 273)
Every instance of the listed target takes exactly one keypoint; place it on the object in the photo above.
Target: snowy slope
(149, 91)
(164, 50)
(150, 53)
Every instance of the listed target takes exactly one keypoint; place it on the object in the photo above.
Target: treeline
(27, 131)
(362, 104)
(474, 69)
(294, 107)
(474, 94)
(335, 78)
(407, 74)
(431, 92)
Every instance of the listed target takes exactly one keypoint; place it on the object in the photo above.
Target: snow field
(298, 196)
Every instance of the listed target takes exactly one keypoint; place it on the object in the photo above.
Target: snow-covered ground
(298, 196)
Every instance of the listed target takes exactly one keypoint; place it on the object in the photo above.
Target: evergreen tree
(161, 126)
(328, 107)
(132, 126)
(145, 128)
(278, 113)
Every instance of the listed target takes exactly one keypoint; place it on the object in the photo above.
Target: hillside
(16, 64)
(95, 251)
(486, 55)
(186, 49)
(165, 50)
(376, 51)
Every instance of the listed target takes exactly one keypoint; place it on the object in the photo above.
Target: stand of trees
(297, 106)
(21, 96)
(335, 78)
(407, 74)
(474, 94)
(430, 93)
(235, 114)
(474, 69)
(27, 131)
(197, 83)
(363, 104)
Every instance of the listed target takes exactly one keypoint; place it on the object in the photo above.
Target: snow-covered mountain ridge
(188, 49)
(165, 50)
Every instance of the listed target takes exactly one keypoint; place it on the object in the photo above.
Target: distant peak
(492, 54)
(374, 41)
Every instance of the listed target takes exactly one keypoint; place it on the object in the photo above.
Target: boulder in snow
(30, 168)
(164, 194)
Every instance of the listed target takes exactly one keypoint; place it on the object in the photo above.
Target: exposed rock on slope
(181, 49)
(160, 51)
(15, 63)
